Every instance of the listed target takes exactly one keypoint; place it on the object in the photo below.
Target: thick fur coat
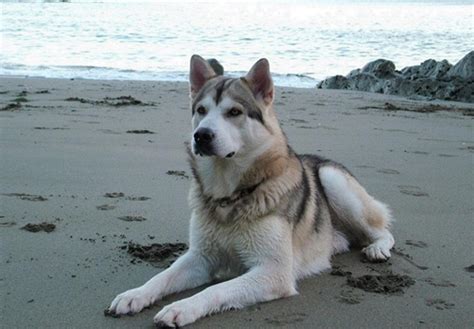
(263, 216)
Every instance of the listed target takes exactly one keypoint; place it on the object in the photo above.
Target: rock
(430, 69)
(433, 69)
(464, 68)
(429, 80)
(216, 66)
(380, 68)
(462, 91)
(353, 73)
(335, 82)
(454, 89)
(366, 82)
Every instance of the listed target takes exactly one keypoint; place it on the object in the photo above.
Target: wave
(110, 73)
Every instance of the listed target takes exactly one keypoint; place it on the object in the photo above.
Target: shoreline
(111, 170)
(287, 80)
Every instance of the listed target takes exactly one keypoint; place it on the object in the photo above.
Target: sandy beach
(102, 164)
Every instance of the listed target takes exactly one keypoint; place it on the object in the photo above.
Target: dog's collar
(236, 196)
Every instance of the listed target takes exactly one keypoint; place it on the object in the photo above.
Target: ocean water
(305, 41)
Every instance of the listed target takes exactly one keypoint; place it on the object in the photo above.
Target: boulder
(365, 82)
(426, 88)
(429, 80)
(380, 68)
(464, 68)
(353, 73)
(430, 69)
(335, 82)
(453, 90)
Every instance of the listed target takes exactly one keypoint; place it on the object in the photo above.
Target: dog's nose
(203, 136)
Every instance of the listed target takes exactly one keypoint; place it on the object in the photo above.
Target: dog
(263, 217)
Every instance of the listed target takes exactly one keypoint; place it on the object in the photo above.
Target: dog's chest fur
(239, 243)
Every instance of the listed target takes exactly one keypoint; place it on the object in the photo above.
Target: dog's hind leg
(363, 218)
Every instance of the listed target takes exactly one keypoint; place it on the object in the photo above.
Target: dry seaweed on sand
(46, 227)
(132, 218)
(110, 101)
(27, 197)
(140, 131)
(469, 269)
(429, 108)
(179, 173)
(137, 198)
(114, 195)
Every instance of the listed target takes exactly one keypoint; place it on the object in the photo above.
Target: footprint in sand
(412, 190)
(349, 297)
(298, 120)
(105, 207)
(416, 243)
(389, 171)
(364, 166)
(417, 152)
(109, 131)
(7, 224)
(439, 283)
(286, 319)
(447, 155)
(439, 304)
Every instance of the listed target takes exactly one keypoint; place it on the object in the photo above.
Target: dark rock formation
(430, 80)
(464, 68)
(335, 82)
(380, 68)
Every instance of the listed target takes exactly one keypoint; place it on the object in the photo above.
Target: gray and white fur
(263, 217)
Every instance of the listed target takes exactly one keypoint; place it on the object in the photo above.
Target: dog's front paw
(376, 253)
(176, 315)
(131, 301)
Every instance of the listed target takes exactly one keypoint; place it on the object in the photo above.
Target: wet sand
(104, 162)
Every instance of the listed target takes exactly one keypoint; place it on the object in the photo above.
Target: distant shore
(93, 169)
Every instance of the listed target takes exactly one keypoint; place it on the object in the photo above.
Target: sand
(85, 154)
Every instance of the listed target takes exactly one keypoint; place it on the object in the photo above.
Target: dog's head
(231, 116)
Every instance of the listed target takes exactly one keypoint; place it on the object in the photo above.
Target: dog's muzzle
(203, 139)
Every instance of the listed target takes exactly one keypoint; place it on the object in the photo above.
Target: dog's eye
(235, 112)
(201, 110)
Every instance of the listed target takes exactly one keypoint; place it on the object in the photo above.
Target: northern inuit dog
(261, 214)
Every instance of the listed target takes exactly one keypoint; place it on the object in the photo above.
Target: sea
(305, 41)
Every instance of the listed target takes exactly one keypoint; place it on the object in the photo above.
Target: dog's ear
(260, 81)
(199, 72)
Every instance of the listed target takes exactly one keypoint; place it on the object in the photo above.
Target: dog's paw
(131, 301)
(376, 253)
(176, 315)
